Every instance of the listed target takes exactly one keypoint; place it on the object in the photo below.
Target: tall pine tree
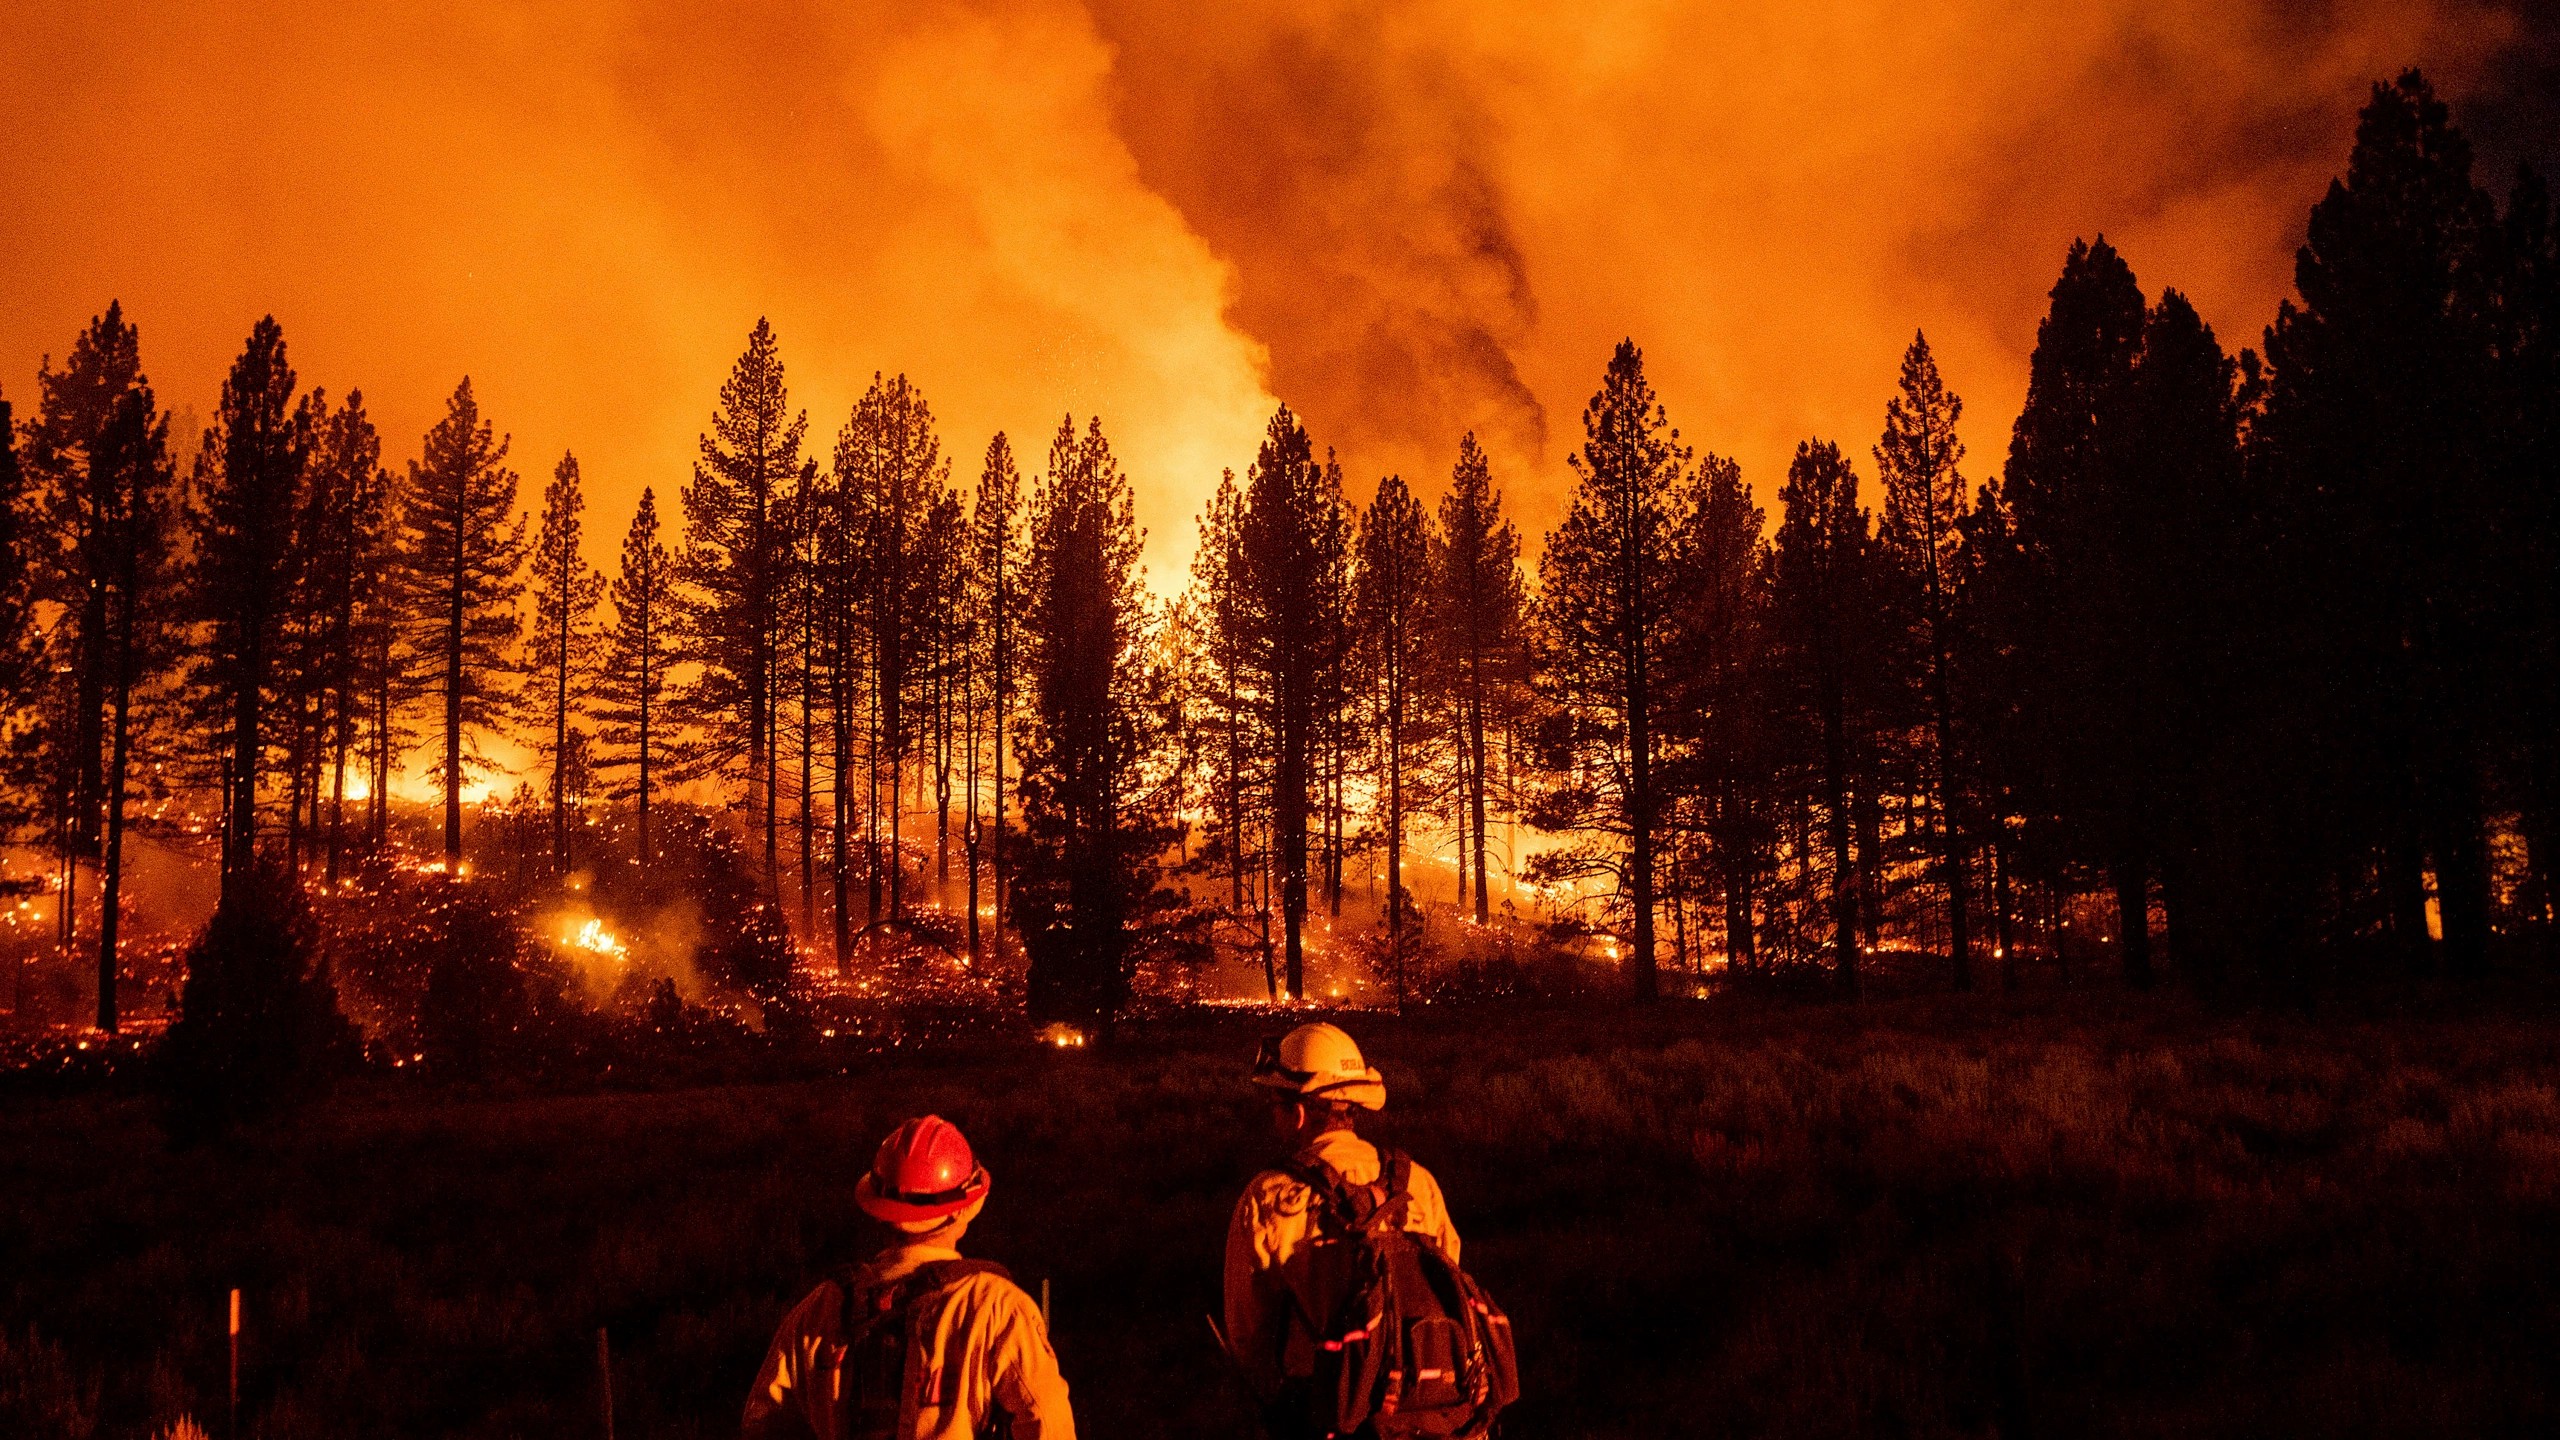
(243, 572)
(1094, 769)
(1919, 460)
(462, 548)
(2374, 444)
(996, 564)
(566, 590)
(1822, 607)
(1295, 540)
(1606, 623)
(631, 688)
(1478, 609)
(1390, 618)
(736, 549)
(2080, 529)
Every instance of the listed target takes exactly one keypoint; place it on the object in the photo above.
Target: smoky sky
(1409, 221)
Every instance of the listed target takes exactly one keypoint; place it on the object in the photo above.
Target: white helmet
(1319, 1061)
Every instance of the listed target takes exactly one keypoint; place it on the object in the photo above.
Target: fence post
(604, 1378)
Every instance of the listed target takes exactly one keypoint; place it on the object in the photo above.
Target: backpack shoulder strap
(858, 1307)
(1395, 1189)
(938, 1275)
(1327, 1183)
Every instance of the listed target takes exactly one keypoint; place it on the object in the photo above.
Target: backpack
(877, 1325)
(1407, 1345)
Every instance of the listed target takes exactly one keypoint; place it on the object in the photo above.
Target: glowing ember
(1063, 1036)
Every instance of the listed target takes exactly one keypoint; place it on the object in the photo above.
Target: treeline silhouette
(2261, 649)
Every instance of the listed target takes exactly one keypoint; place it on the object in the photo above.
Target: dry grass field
(2071, 1215)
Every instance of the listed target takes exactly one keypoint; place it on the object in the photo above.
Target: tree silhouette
(736, 549)
(462, 545)
(1391, 609)
(1224, 694)
(1094, 771)
(22, 678)
(344, 611)
(1716, 731)
(996, 563)
(102, 453)
(1606, 617)
(631, 688)
(76, 487)
(566, 590)
(1477, 613)
(2528, 395)
(2181, 537)
(1921, 535)
(105, 448)
(243, 571)
(2082, 528)
(1822, 608)
(1295, 540)
(2372, 440)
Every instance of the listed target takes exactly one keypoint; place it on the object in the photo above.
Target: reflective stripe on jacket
(1266, 1271)
(983, 1350)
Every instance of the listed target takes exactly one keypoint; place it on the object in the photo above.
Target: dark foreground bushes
(2079, 1217)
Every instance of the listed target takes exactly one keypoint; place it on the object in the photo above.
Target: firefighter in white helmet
(1318, 1084)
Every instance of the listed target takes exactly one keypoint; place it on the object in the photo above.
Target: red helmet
(924, 1171)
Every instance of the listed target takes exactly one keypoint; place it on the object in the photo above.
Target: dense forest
(2249, 662)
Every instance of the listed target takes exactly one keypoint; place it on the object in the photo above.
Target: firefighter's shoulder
(1277, 1192)
(992, 1297)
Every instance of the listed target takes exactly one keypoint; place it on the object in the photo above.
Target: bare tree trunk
(111, 887)
(1640, 816)
(1472, 770)
(2006, 940)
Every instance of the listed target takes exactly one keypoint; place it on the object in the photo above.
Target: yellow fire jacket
(1276, 1223)
(978, 1347)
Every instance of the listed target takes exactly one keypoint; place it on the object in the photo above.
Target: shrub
(258, 1026)
(39, 1396)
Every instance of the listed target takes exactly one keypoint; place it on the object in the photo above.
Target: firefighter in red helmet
(915, 1343)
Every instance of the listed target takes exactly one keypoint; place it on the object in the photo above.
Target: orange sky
(1405, 220)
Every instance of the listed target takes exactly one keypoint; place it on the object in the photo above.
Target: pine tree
(736, 548)
(2528, 341)
(1392, 595)
(804, 602)
(1718, 692)
(248, 489)
(996, 563)
(2079, 528)
(76, 491)
(462, 547)
(566, 590)
(1605, 622)
(1822, 603)
(945, 627)
(1094, 766)
(840, 588)
(346, 540)
(2187, 527)
(1477, 614)
(2373, 442)
(1919, 459)
(631, 688)
(890, 474)
(102, 448)
(1295, 541)
(22, 678)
